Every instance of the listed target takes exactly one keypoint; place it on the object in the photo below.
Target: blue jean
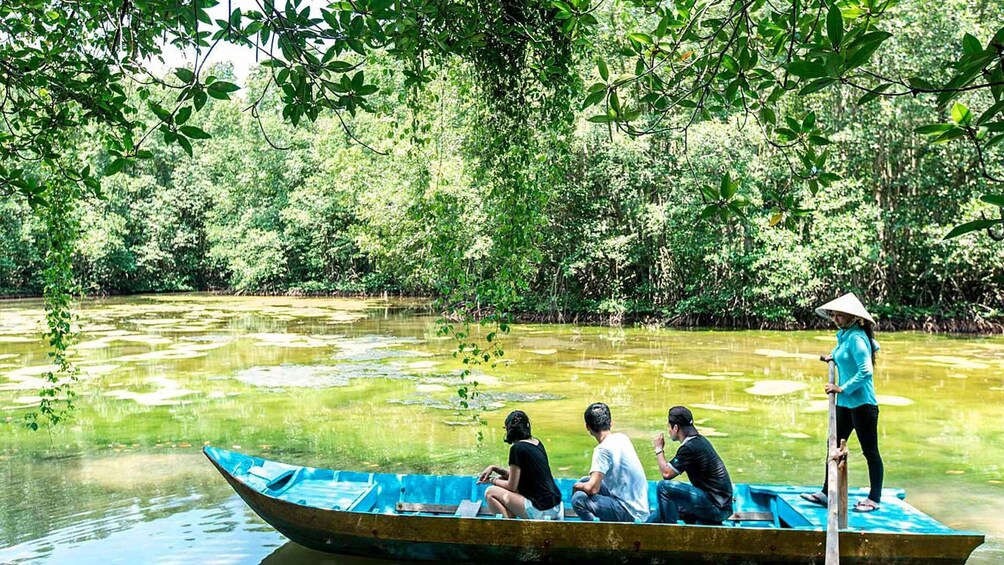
(677, 498)
(599, 506)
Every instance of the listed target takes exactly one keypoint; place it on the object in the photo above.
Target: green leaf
(971, 227)
(864, 47)
(816, 85)
(995, 199)
(875, 93)
(808, 69)
(933, 129)
(818, 140)
(185, 75)
(183, 115)
(786, 134)
(951, 134)
(185, 144)
(601, 119)
(728, 188)
(995, 126)
(709, 211)
(971, 45)
(642, 38)
(920, 84)
(162, 114)
(115, 167)
(835, 26)
(809, 121)
(194, 132)
(594, 98)
(222, 86)
(768, 115)
(961, 114)
(604, 71)
(991, 112)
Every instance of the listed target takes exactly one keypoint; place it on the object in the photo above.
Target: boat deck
(756, 506)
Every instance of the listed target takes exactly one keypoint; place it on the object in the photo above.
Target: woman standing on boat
(526, 489)
(857, 408)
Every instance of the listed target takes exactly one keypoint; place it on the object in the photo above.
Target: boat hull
(488, 540)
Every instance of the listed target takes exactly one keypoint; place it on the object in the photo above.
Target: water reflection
(294, 554)
(172, 531)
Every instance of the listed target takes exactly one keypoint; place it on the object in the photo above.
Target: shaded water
(367, 385)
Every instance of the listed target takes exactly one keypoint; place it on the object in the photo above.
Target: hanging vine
(525, 89)
(56, 398)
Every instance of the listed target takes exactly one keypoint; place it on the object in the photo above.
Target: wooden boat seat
(456, 509)
(751, 517)
(472, 508)
(468, 509)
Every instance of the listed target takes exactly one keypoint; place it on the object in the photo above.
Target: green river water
(367, 385)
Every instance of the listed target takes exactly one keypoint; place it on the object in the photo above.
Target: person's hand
(826, 358)
(659, 442)
(832, 388)
(485, 475)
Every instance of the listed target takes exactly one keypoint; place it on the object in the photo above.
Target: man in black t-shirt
(708, 497)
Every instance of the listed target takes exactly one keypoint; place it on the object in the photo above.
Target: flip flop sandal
(816, 498)
(866, 506)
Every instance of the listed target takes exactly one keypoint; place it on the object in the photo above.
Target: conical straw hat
(846, 304)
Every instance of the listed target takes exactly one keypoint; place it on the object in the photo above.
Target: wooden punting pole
(832, 483)
(842, 466)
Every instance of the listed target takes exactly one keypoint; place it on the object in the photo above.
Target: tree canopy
(81, 104)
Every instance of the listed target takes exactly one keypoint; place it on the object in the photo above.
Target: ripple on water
(949, 361)
(374, 348)
(784, 354)
(180, 529)
(594, 364)
(775, 388)
(485, 400)
(289, 375)
(168, 393)
(686, 377)
(883, 400)
(720, 408)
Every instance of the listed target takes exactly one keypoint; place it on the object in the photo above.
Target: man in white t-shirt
(616, 489)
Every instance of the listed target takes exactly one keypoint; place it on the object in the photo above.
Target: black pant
(863, 420)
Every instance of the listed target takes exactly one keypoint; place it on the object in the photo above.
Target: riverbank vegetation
(516, 174)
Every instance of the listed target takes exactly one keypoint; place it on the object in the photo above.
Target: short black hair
(680, 416)
(517, 426)
(598, 417)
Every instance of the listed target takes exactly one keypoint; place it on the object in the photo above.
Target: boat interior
(755, 506)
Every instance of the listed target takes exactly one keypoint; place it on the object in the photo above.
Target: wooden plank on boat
(454, 509)
(751, 517)
(468, 509)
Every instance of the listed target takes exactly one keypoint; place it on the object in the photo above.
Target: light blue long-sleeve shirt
(853, 356)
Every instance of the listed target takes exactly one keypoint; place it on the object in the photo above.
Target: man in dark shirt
(708, 497)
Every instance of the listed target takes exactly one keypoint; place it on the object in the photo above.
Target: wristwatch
(660, 450)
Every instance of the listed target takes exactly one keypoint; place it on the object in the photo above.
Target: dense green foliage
(454, 148)
(620, 231)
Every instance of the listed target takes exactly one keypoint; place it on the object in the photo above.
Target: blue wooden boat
(441, 518)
